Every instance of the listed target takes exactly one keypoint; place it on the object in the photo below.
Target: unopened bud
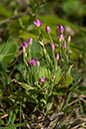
(37, 62)
(64, 45)
(41, 43)
(69, 38)
(52, 47)
(47, 29)
(61, 37)
(57, 56)
(30, 41)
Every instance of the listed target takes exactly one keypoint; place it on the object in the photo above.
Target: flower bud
(60, 28)
(57, 56)
(47, 29)
(61, 37)
(37, 62)
(69, 38)
(52, 47)
(64, 45)
(24, 44)
(30, 41)
(32, 62)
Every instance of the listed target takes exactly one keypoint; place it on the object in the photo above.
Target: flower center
(38, 25)
(43, 80)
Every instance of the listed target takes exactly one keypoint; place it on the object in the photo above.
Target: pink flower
(64, 45)
(47, 29)
(61, 37)
(52, 47)
(30, 41)
(43, 80)
(38, 23)
(57, 56)
(24, 44)
(60, 28)
(32, 62)
(37, 62)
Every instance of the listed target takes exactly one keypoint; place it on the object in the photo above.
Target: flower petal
(35, 23)
(41, 23)
(38, 21)
(43, 80)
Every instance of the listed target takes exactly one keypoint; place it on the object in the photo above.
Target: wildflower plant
(42, 82)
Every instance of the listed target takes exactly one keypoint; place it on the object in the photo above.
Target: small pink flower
(61, 37)
(60, 28)
(38, 23)
(64, 45)
(32, 62)
(52, 47)
(57, 56)
(30, 41)
(24, 44)
(43, 80)
(37, 62)
(47, 29)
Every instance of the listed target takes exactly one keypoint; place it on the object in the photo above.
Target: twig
(56, 115)
(58, 121)
(49, 119)
(70, 103)
(75, 102)
(14, 17)
(8, 54)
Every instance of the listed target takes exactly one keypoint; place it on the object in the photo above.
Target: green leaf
(1, 127)
(1, 93)
(16, 125)
(0, 121)
(43, 72)
(59, 93)
(49, 106)
(68, 98)
(5, 12)
(10, 117)
(81, 108)
(20, 66)
(9, 52)
(25, 35)
(71, 6)
(70, 107)
(15, 114)
(43, 101)
(24, 85)
(77, 47)
(17, 76)
(35, 50)
(67, 82)
(58, 76)
(68, 73)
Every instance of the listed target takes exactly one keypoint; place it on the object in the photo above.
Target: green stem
(20, 109)
(51, 39)
(29, 52)
(34, 74)
(40, 35)
(53, 55)
(56, 65)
